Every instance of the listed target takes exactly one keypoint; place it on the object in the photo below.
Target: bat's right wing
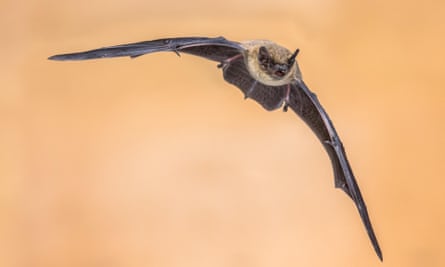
(216, 49)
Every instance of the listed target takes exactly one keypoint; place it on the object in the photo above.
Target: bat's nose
(281, 68)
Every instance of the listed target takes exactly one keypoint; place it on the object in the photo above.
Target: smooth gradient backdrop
(156, 161)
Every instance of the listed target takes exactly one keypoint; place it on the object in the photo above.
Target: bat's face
(275, 67)
(271, 64)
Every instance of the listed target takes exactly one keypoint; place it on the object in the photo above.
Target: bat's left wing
(216, 49)
(305, 103)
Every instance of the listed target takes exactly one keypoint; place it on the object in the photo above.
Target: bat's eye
(264, 63)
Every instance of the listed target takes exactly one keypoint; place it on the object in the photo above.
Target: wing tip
(65, 57)
(55, 57)
(78, 56)
(379, 254)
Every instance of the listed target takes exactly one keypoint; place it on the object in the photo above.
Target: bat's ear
(263, 54)
(291, 60)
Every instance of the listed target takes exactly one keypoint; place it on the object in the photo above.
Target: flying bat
(267, 73)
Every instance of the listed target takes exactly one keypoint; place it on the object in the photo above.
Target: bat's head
(277, 62)
(270, 63)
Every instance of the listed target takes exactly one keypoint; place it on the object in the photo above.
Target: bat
(267, 73)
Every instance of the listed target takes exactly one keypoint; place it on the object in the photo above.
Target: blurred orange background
(157, 161)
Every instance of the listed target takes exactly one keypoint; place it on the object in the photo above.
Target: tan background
(158, 162)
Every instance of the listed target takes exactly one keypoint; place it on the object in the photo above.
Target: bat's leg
(247, 95)
(299, 99)
(286, 98)
(227, 61)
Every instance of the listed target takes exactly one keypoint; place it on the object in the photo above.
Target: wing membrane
(269, 97)
(211, 48)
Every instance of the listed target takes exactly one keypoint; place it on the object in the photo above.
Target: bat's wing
(217, 49)
(307, 106)
(237, 74)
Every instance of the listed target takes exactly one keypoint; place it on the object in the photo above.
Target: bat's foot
(248, 93)
(286, 98)
(229, 60)
(285, 107)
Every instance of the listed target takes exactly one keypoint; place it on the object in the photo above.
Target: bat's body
(267, 73)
